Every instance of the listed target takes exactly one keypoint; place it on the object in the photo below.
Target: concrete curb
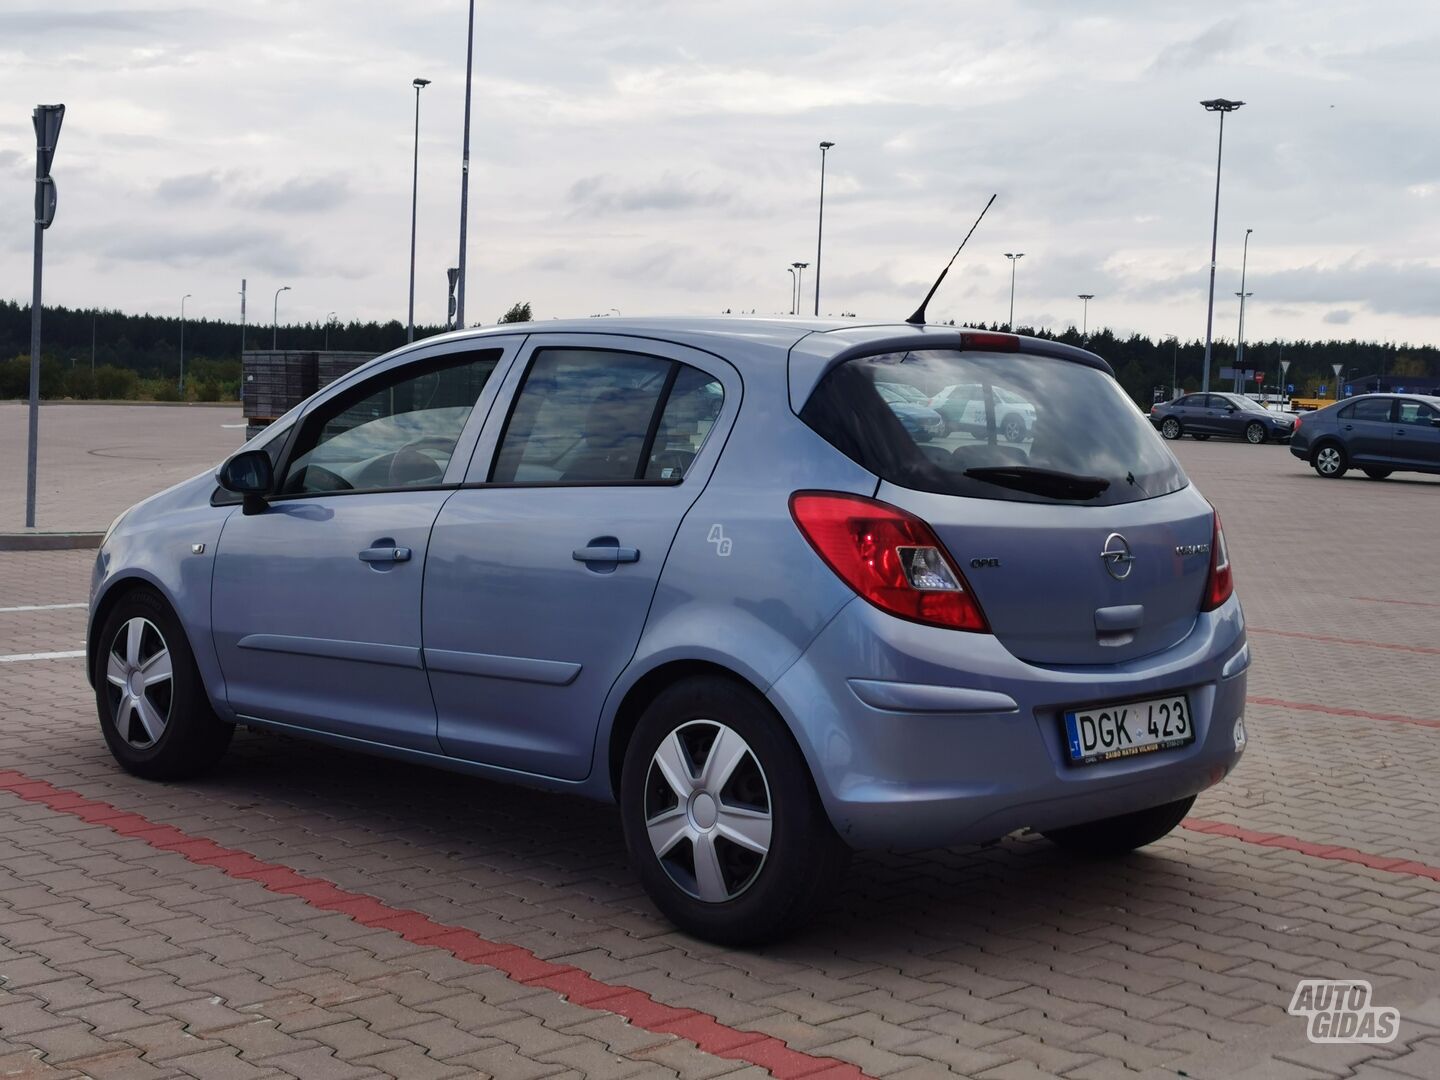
(50, 541)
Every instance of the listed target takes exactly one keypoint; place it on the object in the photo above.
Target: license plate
(1106, 732)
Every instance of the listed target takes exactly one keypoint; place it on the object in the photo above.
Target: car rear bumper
(937, 737)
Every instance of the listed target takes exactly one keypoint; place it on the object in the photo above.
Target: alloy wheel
(1255, 433)
(708, 811)
(1328, 460)
(1170, 429)
(140, 678)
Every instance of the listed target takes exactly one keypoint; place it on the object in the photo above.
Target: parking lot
(307, 912)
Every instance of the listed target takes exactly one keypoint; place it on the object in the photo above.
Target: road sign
(1290, 388)
(1349, 389)
(1322, 390)
(1259, 376)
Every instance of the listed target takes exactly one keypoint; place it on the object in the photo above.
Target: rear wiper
(1047, 482)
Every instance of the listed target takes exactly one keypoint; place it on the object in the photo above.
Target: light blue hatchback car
(698, 566)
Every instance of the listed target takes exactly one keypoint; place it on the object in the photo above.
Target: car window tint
(1009, 412)
(1189, 401)
(582, 416)
(397, 429)
(1413, 412)
(685, 422)
(1370, 409)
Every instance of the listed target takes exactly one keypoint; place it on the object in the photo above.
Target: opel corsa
(701, 568)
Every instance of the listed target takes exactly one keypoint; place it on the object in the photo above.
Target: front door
(541, 574)
(316, 598)
(1416, 441)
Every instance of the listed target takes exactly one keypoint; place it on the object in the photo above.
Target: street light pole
(1085, 313)
(820, 232)
(799, 281)
(1014, 257)
(330, 319)
(275, 319)
(1222, 106)
(419, 85)
(47, 120)
(794, 289)
(1240, 334)
(465, 173)
(182, 343)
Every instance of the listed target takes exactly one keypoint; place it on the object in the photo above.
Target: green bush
(116, 384)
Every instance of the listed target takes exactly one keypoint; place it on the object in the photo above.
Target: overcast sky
(657, 156)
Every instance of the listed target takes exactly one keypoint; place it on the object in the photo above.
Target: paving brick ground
(118, 959)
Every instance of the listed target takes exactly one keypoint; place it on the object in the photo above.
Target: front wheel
(721, 818)
(1378, 474)
(1255, 433)
(1013, 429)
(1170, 428)
(154, 713)
(1119, 835)
(1200, 438)
(1331, 461)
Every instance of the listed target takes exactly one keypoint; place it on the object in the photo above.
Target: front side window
(1413, 412)
(395, 430)
(1031, 429)
(586, 416)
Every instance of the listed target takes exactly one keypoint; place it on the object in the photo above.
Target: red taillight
(987, 340)
(1296, 427)
(891, 558)
(1221, 583)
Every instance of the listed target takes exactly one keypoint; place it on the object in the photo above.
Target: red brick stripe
(520, 964)
(1333, 852)
(1388, 600)
(1427, 650)
(1330, 710)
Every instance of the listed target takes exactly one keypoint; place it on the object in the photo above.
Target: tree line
(110, 354)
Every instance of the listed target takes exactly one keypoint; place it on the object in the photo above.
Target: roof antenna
(919, 317)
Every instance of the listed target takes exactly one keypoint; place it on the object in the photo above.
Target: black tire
(1123, 834)
(1330, 460)
(1170, 428)
(1200, 438)
(1013, 429)
(193, 738)
(1255, 433)
(805, 859)
(1377, 474)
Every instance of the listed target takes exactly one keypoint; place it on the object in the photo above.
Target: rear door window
(1083, 441)
(1369, 409)
(1413, 412)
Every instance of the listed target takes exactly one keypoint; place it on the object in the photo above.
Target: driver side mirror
(1435, 420)
(250, 475)
(1231, 408)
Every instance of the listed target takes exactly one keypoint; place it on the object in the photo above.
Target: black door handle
(606, 553)
(385, 554)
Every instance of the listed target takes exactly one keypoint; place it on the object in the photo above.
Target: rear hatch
(1082, 542)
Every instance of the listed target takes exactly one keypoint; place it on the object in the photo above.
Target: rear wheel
(721, 818)
(1377, 474)
(1255, 432)
(1170, 428)
(153, 710)
(1118, 835)
(1330, 460)
(1013, 428)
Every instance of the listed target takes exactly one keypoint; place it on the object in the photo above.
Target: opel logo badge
(1117, 557)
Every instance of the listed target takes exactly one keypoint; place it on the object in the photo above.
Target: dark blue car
(1377, 433)
(1235, 415)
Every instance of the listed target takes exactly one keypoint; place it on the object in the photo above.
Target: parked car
(1379, 434)
(963, 407)
(907, 392)
(921, 422)
(769, 624)
(1204, 415)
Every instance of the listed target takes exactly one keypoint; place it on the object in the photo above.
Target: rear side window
(1015, 427)
(1412, 412)
(587, 416)
(1367, 409)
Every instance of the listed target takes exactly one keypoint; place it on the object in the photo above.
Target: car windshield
(1087, 442)
(1246, 402)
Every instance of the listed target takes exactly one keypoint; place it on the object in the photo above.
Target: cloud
(1338, 317)
(264, 250)
(300, 196)
(191, 188)
(50, 22)
(603, 194)
(1200, 50)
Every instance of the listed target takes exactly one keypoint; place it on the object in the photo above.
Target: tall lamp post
(275, 319)
(419, 85)
(794, 289)
(1014, 257)
(330, 319)
(820, 232)
(1086, 297)
(465, 174)
(47, 120)
(1240, 333)
(1221, 106)
(182, 343)
(799, 268)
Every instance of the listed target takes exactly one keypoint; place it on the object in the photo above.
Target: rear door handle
(385, 554)
(606, 553)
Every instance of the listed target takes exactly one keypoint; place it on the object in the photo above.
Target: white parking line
(15, 658)
(39, 607)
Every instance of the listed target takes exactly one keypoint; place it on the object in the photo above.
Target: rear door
(1368, 429)
(1416, 441)
(542, 568)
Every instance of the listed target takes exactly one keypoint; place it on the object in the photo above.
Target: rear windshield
(997, 426)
